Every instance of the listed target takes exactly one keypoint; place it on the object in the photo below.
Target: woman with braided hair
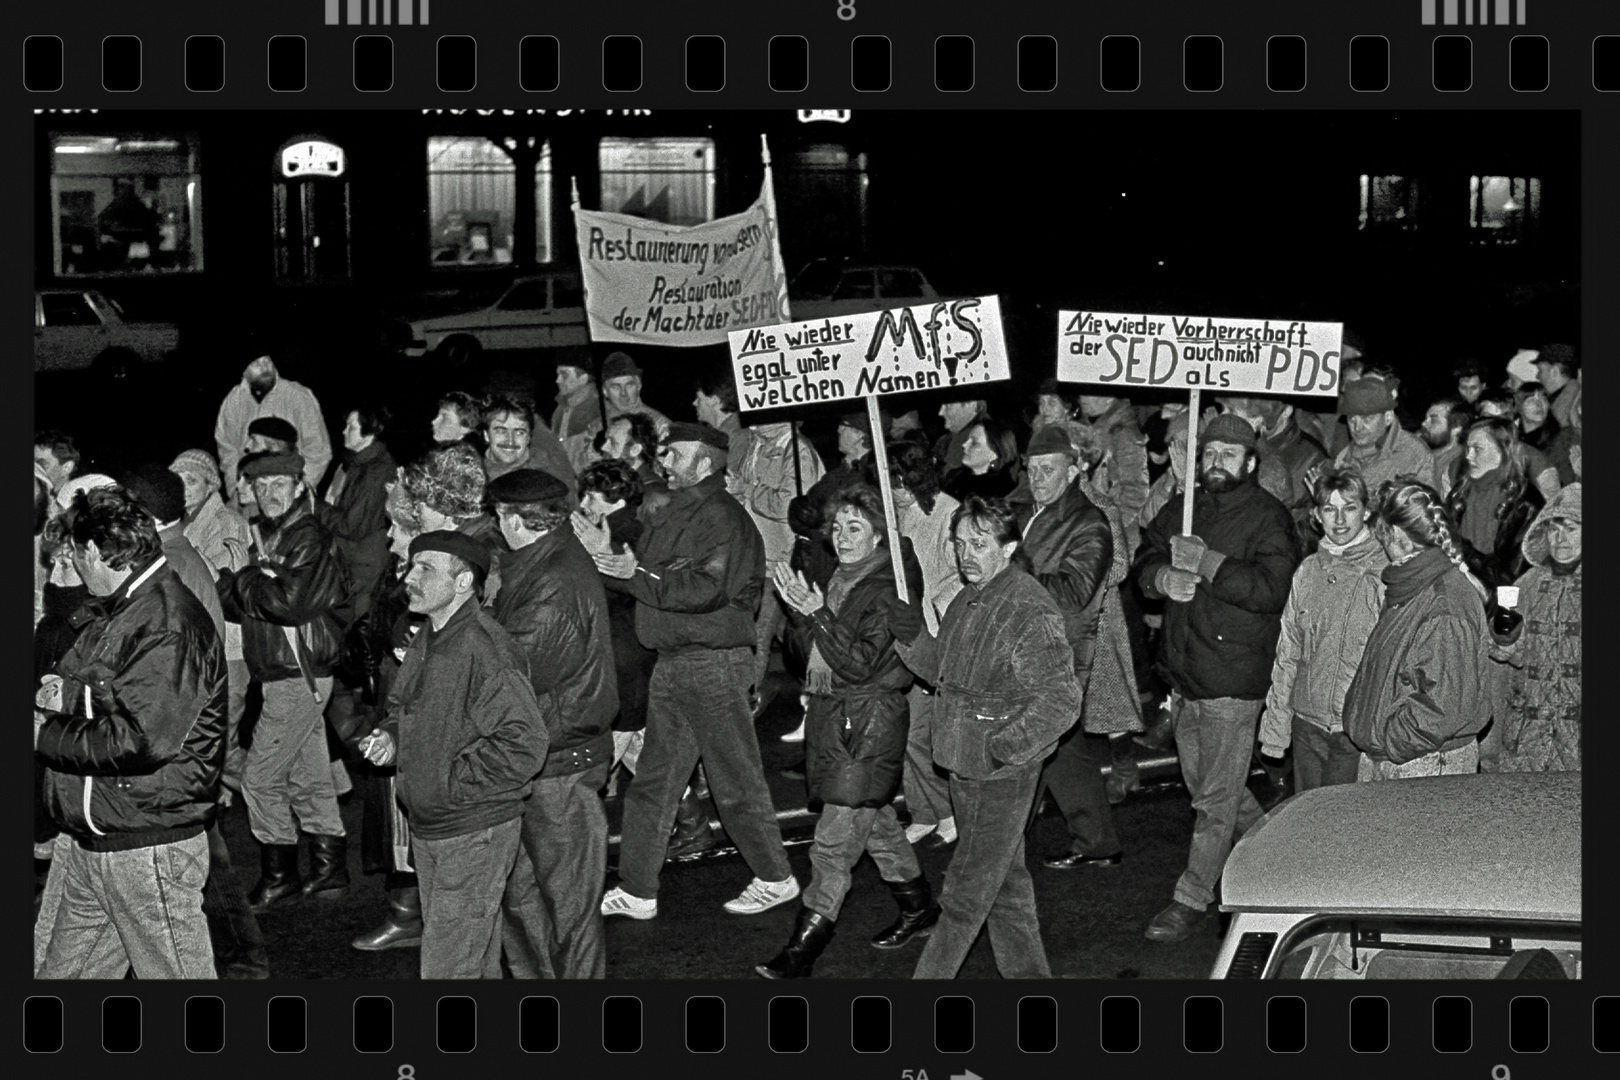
(1420, 697)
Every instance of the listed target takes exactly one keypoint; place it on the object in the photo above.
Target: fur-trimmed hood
(1566, 504)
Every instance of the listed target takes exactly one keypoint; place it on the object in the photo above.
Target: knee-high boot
(918, 913)
(810, 935)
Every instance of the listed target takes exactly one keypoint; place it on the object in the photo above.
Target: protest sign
(1193, 352)
(938, 345)
(649, 283)
(1234, 356)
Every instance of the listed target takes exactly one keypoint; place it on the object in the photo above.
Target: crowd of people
(488, 639)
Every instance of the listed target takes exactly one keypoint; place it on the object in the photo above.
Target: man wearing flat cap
(552, 603)
(621, 393)
(1226, 585)
(697, 581)
(287, 601)
(263, 392)
(468, 736)
(1072, 544)
(1380, 447)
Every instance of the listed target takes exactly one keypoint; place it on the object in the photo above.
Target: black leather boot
(402, 929)
(278, 877)
(692, 833)
(810, 935)
(918, 913)
(328, 867)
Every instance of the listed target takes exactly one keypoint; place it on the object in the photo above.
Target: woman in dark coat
(990, 466)
(1493, 503)
(855, 732)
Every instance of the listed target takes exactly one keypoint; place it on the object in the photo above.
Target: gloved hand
(1177, 585)
(1192, 553)
(905, 620)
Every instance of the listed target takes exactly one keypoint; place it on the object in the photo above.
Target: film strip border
(1450, 62)
(953, 1023)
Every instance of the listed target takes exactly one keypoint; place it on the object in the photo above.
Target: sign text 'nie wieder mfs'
(931, 346)
(1240, 356)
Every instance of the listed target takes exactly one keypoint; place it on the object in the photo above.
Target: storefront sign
(947, 343)
(1235, 356)
(312, 158)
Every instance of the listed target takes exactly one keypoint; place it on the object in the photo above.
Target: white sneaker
(763, 895)
(796, 735)
(916, 832)
(619, 902)
(947, 830)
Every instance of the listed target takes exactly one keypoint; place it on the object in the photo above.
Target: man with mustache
(1226, 585)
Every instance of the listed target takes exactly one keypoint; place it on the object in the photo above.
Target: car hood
(1500, 845)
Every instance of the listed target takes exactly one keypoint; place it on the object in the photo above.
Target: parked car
(83, 328)
(825, 287)
(1445, 877)
(537, 311)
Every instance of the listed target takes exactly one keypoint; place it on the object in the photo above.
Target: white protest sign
(653, 284)
(938, 345)
(1235, 356)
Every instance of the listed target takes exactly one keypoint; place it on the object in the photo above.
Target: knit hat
(199, 464)
(1366, 396)
(700, 433)
(617, 365)
(464, 547)
(80, 484)
(1523, 365)
(1052, 439)
(1227, 428)
(273, 465)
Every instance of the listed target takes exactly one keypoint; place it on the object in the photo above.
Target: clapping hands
(798, 594)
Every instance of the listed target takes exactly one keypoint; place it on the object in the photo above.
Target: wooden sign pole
(1191, 473)
(880, 453)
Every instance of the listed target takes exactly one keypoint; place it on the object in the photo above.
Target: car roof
(1500, 845)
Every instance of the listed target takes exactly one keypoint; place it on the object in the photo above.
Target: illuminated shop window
(669, 180)
(472, 199)
(127, 203)
(1503, 209)
(1388, 203)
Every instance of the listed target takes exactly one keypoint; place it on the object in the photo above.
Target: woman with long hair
(1493, 502)
(990, 465)
(1420, 696)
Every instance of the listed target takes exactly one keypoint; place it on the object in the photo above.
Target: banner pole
(880, 452)
(793, 446)
(1191, 473)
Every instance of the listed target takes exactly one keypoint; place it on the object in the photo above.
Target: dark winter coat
(552, 603)
(136, 757)
(1505, 562)
(357, 514)
(855, 736)
(1223, 642)
(1071, 548)
(632, 662)
(297, 579)
(700, 572)
(469, 733)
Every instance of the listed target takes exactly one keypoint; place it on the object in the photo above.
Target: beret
(862, 423)
(274, 427)
(617, 365)
(273, 465)
(468, 550)
(1227, 428)
(679, 431)
(1365, 396)
(1052, 439)
(525, 486)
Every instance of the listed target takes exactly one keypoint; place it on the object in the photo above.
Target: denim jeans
(1464, 759)
(1074, 777)
(553, 903)
(288, 781)
(1215, 740)
(232, 929)
(122, 910)
(767, 626)
(988, 885)
(843, 835)
(1322, 757)
(461, 880)
(697, 707)
(927, 787)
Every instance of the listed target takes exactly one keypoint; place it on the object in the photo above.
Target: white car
(1445, 877)
(83, 328)
(537, 311)
(828, 287)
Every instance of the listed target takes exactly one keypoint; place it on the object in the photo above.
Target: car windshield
(1383, 948)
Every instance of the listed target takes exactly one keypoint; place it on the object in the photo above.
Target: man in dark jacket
(131, 730)
(469, 737)
(1227, 584)
(286, 601)
(553, 604)
(697, 582)
(1071, 548)
(357, 501)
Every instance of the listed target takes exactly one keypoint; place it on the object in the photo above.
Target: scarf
(818, 675)
(1405, 580)
(1478, 521)
(1339, 549)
